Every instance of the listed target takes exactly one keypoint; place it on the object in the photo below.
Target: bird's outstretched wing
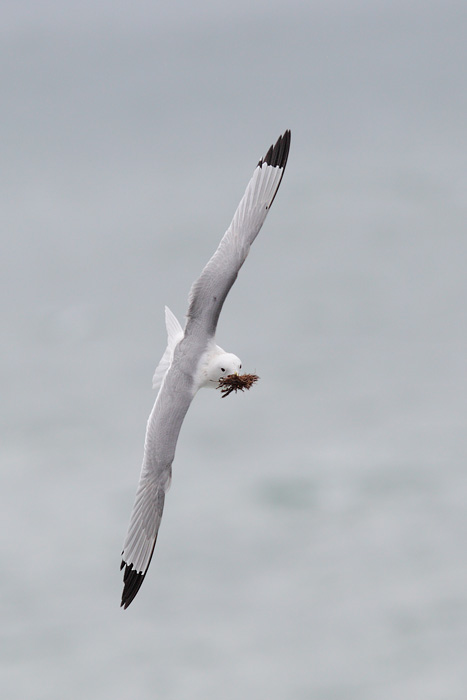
(163, 428)
(208, 293)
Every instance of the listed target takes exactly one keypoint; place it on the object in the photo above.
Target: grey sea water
(313, 543)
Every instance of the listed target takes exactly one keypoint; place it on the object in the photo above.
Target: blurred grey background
(314, 540)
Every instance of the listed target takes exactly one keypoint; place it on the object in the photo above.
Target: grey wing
(162, 432)
(208, 293)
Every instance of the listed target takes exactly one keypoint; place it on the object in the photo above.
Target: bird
(193, 360)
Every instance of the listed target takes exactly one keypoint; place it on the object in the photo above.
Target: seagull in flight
(193, 360)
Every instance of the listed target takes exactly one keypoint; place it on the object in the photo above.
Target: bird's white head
(221, 365)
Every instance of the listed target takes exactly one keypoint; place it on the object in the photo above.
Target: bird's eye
(240, 367)
(222, 369)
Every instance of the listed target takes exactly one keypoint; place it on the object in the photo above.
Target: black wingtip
(132, 581)
(278, 154)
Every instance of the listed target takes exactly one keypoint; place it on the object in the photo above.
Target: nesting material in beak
(234, 382)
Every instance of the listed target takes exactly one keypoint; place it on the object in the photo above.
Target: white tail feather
(174, 336)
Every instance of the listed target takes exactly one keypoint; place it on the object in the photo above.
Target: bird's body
(191, 361)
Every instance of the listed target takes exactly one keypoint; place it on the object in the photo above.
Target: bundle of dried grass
(234, 382)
